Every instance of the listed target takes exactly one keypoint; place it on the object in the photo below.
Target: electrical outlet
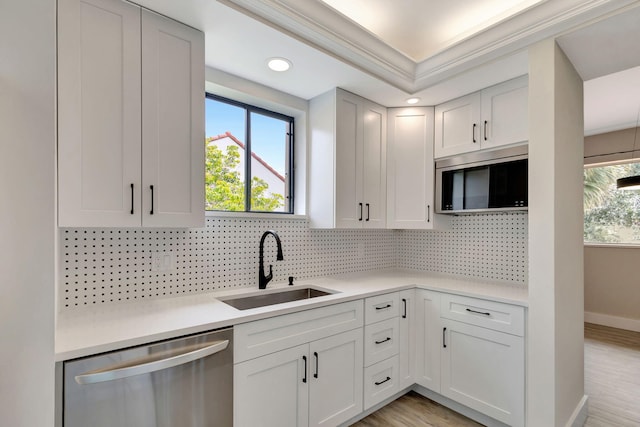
(161, 261)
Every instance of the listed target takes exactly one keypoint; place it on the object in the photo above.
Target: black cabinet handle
(360, 205)
(151, 187)
(474, 133)
(132, 198)
(428, 213)
(384, 340)
(383, 307)
(367, 212)
(304, 359)
(444, 342)
(478, 312)
(315, 354)
(383, 381)
(485, 130)
(404, 305)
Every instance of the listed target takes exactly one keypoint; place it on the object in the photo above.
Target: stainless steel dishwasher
(185, 382)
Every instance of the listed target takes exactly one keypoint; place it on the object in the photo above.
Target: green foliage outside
(224, 188)
(611, 215)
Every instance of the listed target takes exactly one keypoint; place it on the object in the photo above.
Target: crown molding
(320, 26)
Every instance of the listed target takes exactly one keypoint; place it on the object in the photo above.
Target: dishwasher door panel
(109, 390)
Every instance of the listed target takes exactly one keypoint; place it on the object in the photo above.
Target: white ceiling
(388, 63)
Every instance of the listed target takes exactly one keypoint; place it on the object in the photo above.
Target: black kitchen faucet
(262, 279)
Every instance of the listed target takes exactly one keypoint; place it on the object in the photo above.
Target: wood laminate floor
(612, 376)
(612, 382)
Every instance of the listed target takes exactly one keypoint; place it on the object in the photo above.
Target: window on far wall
(246, 141)
(611, 215)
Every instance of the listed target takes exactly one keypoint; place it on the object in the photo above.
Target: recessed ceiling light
(279, 64)
(413, 100)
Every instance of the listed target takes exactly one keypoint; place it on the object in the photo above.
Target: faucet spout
(262, 278)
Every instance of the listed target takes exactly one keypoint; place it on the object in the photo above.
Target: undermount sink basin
(271, 298)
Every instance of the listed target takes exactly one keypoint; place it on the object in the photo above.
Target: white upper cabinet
(172, 123)
(347, 170)
(494, 117)
(130, 116)
(410, 179)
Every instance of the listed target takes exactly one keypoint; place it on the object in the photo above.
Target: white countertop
(91, 330)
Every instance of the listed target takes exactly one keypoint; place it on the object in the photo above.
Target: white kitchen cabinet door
(336, 374)
(349, 162)
(411, 174)
(457, 126)
(484, 370)
(99, 164)
(374, 159)
(505, 113)
(381, 381)
(173, 123)
(273, 390)
(407, 350)
(428, 339)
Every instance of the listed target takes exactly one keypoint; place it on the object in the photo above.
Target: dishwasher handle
(149, 364)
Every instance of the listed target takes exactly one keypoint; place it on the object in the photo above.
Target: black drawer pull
(151, 212)
(384, 340)
(315, 354)
(132, 198)
(478, 312)
(304, 359)
(383, 307)
(360, 217)
(404, 303)
(383, 381)
(444, 337)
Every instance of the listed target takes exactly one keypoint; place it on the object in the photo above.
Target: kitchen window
(249, 158)
(611, 215)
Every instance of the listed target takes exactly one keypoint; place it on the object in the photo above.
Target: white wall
(555, 325)
(611, 287)
(27, 185)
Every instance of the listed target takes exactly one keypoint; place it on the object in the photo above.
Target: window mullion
(247, 163)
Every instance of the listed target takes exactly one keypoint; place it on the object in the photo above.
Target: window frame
(625, 244)
(289, 184)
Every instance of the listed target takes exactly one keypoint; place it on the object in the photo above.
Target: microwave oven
(483, 181)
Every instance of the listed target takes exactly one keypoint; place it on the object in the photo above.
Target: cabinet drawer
(381, 307)
(381, 340)
(380, 381)
(266, 336)
(487, 314)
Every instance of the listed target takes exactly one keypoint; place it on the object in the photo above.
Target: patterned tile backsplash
(105, 265)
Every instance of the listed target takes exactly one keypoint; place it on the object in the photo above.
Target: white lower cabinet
(382, 346)
(300, 369)
(315, 384)
(407, 335)
(325, 366)
(335, 370)
(273, 390)
(484, 370)
(472, 351)
(428, 339)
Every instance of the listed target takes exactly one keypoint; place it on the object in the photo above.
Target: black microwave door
(508, 185)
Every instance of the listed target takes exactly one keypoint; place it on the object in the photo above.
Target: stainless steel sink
(271, 298)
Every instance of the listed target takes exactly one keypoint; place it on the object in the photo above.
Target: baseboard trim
(579, 416)
(612, 321)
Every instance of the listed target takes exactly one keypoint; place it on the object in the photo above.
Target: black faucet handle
(270, 275)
